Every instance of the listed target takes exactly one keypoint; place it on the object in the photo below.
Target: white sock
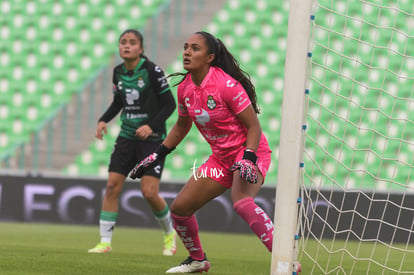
(106, 229)
(165, 221)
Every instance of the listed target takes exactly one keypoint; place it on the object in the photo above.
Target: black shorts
(127, 153)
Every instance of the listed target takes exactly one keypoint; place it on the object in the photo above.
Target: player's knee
(113, 189)
(149, 195)
(235, 198)
(181, 209)
(176, 208)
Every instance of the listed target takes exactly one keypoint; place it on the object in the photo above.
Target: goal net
(356, 176)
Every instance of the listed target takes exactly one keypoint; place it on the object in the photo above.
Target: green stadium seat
(5, 112)
(254, 31)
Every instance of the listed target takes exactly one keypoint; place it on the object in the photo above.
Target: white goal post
(291, 137)
(344, 199)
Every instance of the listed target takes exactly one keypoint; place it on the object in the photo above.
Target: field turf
(28, 248)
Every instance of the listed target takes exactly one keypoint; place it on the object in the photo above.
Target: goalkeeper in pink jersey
(219, 98)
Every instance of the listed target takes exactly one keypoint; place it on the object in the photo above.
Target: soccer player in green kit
(141, 91)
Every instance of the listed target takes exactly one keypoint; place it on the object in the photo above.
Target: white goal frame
(354, 205)
(291, 137)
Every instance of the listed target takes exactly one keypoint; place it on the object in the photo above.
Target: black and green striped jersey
(140, 91)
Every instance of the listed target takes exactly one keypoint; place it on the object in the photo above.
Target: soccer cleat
(191, 266)
(297, 267)
(101, 248)
(170, 246)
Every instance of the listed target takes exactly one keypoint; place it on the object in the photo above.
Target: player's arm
(178, 132)
(116, 104)
(156, 124)
(176, 135)
(109, 114)
(238, 101)
(247, 165)
(167, 106)
(166, 101)
(254, 131)
(113, 109)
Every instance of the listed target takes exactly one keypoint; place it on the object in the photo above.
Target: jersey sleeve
(235, 97)
(158, 79)
(114, 83)
(113, 109)
(182, 109)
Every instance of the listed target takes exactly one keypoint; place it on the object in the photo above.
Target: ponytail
(226, 61)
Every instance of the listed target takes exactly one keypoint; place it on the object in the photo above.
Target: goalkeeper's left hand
(247, 166)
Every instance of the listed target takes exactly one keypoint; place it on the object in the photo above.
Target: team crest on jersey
(140, 82)
(211, 104)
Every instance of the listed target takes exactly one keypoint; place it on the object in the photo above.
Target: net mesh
(358, 189)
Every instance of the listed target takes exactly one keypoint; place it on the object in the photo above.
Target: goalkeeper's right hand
(150, 162)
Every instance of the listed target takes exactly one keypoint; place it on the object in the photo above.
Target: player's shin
(257, 219)
(106, 224)
(187, 230)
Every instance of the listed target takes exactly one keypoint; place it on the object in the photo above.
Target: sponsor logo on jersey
(163, 81)
(238, 96)
(211, 104)
(230, 83)
(157, 169)
(187, 102)
(131, 95)
(215, 137)
(136, 116)
(202, 117)
(242, 102)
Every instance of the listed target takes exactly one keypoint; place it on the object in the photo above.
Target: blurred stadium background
(55, 82)
(56, 65)
(56, 69)
(56, 60)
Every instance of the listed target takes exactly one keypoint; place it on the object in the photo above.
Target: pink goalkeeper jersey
(213, 107)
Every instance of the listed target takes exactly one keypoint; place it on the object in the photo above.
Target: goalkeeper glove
(150, 162)
(247, 166)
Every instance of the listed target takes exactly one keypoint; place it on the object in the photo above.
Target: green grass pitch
(28, 248)
(352, 258)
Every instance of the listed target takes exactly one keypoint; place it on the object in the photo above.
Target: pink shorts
(219, 169)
